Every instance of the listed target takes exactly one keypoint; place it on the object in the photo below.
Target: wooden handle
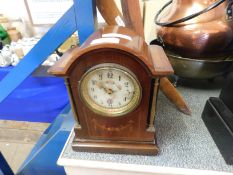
(173, 95)
(132, 16)
(110, 12)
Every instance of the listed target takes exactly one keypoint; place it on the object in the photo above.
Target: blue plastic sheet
(37, 99)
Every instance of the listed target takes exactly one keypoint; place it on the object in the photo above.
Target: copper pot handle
(210, 7)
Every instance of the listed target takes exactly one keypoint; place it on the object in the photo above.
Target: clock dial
(110, 90)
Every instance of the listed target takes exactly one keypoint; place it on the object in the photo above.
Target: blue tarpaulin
(37, 99)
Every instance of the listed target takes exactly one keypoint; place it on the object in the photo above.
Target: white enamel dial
(110, 89)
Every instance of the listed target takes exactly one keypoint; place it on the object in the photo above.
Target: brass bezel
(113, 112)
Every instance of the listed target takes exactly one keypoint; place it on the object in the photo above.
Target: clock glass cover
(110, 90)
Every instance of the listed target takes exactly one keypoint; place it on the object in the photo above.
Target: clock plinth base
(138, 148)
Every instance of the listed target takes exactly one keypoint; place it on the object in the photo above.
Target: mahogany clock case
(129, 133)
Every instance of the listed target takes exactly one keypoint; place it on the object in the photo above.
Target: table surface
(184, 141)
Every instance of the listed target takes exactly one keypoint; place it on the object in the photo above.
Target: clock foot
(124, 147)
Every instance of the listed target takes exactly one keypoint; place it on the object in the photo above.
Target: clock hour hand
(107, 90)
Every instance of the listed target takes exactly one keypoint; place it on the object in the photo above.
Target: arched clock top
(121, 41)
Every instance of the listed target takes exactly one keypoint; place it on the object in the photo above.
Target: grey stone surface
(184, 141)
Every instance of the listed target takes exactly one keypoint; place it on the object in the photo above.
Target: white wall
(151, 9)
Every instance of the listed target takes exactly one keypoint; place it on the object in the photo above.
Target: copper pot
(207, 35)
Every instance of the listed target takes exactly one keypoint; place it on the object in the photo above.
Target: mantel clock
(113, 82)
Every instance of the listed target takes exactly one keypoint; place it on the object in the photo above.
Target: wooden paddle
(110, 12)
(132, 19)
